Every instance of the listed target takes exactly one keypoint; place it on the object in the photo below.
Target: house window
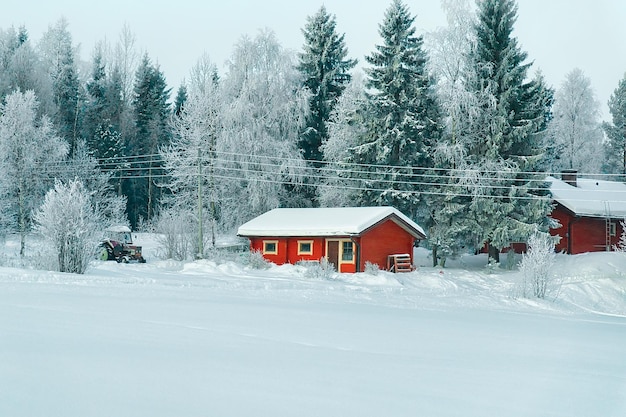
(305, 247)
(347, 251)
(270, 247)
(612, 229)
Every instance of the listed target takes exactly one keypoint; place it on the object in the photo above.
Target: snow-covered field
(204, 339)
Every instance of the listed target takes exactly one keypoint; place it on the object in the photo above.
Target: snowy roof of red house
(592, 198)
(332, 221)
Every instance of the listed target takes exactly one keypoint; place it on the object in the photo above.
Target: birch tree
(346, 126)
(266, 108)
(190, 159)
(71, 225)
(28, 148)
(575, 130)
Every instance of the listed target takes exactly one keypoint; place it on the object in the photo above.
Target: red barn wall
(288, 249)
(385, 239)
(292, 249)
(564, 218)
(256, 244)
(582, 234)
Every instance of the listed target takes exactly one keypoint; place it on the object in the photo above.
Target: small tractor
(119, 246)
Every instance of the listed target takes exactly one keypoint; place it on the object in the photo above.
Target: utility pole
(200, 253)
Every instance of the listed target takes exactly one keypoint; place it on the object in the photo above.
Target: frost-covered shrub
(174, 234)
(257, 261)
(322, 269)
(621, 245)
(371, 269)
(536, 265)
(69, 225)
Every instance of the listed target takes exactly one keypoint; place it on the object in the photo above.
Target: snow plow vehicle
(119, 246)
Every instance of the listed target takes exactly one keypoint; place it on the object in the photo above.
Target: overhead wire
(327, 175)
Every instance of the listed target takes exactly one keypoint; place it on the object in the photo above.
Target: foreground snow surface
(206, 339)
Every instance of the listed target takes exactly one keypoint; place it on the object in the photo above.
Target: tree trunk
(494, 253)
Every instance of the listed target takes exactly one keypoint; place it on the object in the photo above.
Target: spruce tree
(615, 148)
(181, 98)
(151, 115)
(59, 57)
(326, 72)
(404, 118)
(101, 125)
(510, 202)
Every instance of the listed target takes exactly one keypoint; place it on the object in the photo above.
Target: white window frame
(305, 242)
(270, 242)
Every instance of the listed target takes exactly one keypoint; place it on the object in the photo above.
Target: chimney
(570, 176)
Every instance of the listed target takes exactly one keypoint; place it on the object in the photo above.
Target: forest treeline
(454, 128)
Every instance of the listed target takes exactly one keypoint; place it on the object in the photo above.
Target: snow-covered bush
(621, 245)
(174, 234)
(536, 265)
(257, 261)
(371, 269)
(322, 269)
(70, 225)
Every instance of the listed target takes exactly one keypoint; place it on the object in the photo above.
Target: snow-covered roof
(593, 198)
(333, 221)
(119, 229)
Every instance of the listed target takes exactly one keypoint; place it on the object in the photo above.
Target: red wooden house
(589, 211)
(347, 236)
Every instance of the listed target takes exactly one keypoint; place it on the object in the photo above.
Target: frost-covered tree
(615, 147)
(29, 149)
(59, 56)
(347, 124)
(405, 117)
(506, 147)
(190, 159)
(326, 71)
(71, 225)
(575, 131)
(265, 110)
(451, 226)
(98, 182)
(20, 66)
(536, 265)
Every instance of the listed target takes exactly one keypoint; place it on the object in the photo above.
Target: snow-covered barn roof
(593, 198)
(332, 221)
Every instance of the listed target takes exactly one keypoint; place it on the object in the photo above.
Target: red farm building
(589, 211)
(347, 236)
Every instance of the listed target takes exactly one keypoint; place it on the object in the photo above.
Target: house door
(332, 252)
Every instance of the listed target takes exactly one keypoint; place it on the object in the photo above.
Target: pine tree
(615, 148)
(404, 116)
(151, 114)
(59, 57)
(101, 124)
(95, 103)
(326, 72)
(181, 98)
(511, 202)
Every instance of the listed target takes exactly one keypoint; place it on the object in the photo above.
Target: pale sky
(558, 35)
